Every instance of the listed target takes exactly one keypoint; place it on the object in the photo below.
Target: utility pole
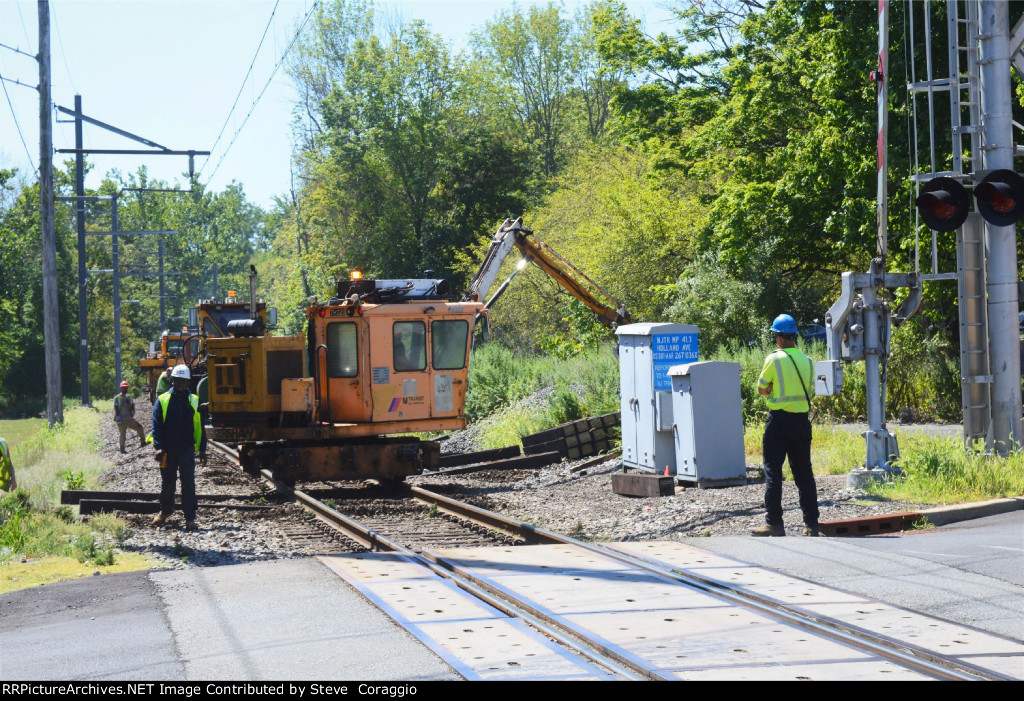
(51, 319)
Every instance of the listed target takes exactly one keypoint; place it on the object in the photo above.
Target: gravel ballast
(580, 503)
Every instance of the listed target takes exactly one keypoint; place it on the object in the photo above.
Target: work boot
(768, 530)
(811, 531)
(191, 525)
(160, 519)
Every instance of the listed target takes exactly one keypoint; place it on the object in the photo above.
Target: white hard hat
(181, 371)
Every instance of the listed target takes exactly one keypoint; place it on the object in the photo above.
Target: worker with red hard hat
(124, 417)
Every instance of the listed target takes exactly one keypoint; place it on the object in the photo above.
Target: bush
(564, 406)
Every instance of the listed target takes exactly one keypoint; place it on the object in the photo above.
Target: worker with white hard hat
(178, 435)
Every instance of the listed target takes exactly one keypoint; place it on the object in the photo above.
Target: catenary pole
(83, 278)
(1000, 241)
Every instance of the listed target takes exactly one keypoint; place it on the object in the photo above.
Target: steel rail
(903, 654)
(572, 639)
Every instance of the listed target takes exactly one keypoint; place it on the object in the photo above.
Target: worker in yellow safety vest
(787, 380)
(178, 435)
(7, 481)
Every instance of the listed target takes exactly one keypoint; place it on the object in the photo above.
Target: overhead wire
(23, 27)
(4, 81)
(284, 56)
(3, 84)
(63, 53)
(242, 86)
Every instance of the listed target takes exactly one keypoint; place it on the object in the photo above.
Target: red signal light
(323, 313)
(943, 204)
(1000, 196)
(1001, 203)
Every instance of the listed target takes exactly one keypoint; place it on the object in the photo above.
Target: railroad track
(440, 522)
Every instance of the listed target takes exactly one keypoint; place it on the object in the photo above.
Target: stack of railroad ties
(589, 436)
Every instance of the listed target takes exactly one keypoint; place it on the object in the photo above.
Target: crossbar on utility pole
(114, 233)
(80, 198)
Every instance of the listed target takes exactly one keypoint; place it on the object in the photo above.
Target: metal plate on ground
(480, 642)
(680, 632)
(971, 646)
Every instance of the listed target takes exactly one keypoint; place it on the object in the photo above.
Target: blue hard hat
(784, 323)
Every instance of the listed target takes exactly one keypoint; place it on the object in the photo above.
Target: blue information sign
(671, 349)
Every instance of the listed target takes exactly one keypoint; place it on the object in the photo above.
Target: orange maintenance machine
(383, 359)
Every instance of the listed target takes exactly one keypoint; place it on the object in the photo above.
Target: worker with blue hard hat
(787, 380)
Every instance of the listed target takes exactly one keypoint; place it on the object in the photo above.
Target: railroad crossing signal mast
(859, 324)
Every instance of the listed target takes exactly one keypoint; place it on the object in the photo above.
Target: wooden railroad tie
(642, 484)
(575, 439)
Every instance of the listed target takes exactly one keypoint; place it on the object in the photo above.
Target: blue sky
(169, 71)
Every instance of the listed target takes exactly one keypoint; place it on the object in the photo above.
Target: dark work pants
(181, 465)
(788, 435)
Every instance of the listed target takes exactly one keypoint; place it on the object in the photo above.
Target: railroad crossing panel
(973, 647)
(480, 642)
(677, 631)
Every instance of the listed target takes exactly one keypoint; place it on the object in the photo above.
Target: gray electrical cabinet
(646, 352)
(707, 430)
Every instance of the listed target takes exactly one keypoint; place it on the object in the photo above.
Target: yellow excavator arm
(511, 234)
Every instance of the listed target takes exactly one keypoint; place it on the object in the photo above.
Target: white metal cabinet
(646, 352)
(708, 424)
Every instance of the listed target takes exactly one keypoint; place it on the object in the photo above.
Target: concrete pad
(286, 620)
(943, 515)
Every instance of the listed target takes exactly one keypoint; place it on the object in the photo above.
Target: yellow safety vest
(789, 372)
(197, 423)
(6, 466)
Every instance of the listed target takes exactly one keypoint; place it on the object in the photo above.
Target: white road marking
(925, 552)
(1003, 547)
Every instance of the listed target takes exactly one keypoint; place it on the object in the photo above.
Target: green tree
(22, 357)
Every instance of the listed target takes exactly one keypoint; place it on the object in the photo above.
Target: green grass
(45, 458)
(940, 471)
(33, 523)
(587, 385)
(834, 450)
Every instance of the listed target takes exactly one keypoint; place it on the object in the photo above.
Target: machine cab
(391, 362)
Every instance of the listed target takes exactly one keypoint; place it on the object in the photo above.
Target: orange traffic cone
(666, 471)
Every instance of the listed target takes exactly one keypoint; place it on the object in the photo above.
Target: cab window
(409, 345)
(342, 350)
(448, 344)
